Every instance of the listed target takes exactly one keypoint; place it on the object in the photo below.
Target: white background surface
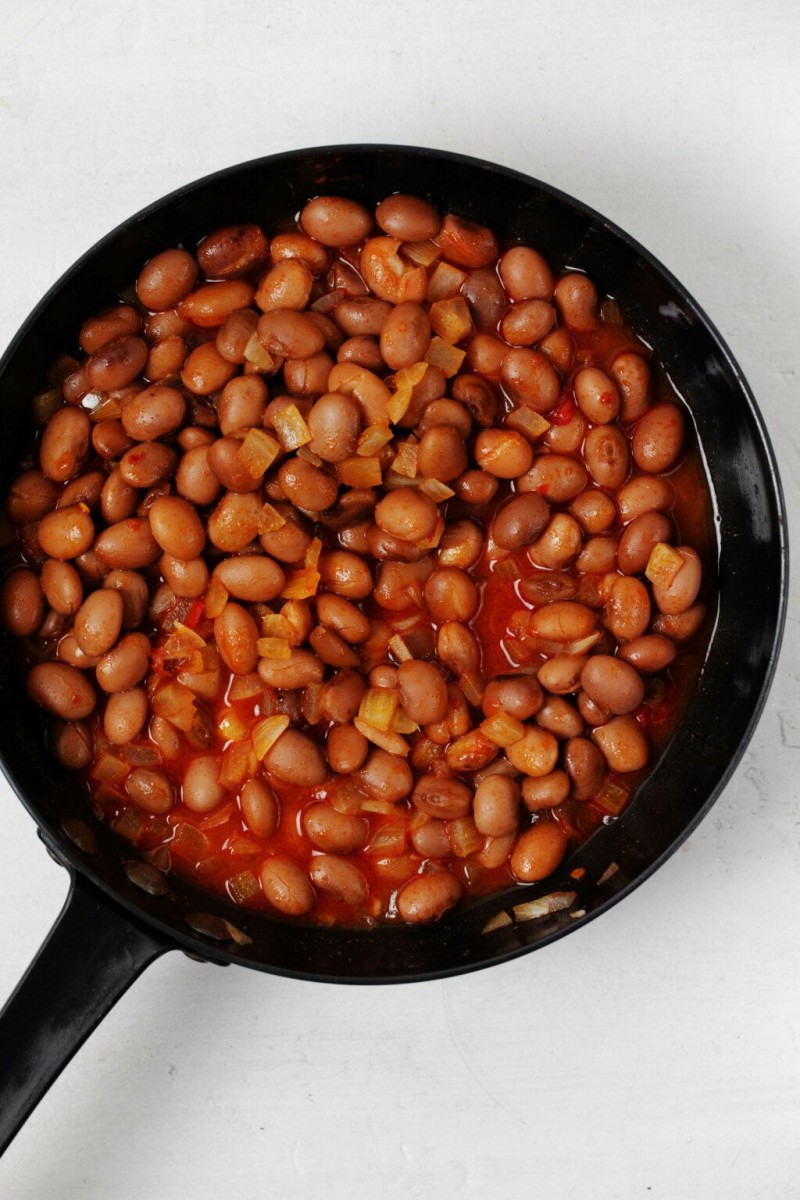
(655, 1053)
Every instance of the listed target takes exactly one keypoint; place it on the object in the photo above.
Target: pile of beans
(347, 563)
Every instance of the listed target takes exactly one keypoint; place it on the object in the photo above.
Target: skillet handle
(91, 956)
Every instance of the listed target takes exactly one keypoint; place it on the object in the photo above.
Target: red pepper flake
(563, 412)
(133, 525)
(542, 489)
(606, 398)
(158, 661)
(135, 456)
(194, 614)
(578, 873)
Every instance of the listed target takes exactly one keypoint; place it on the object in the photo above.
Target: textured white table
(655, 1053)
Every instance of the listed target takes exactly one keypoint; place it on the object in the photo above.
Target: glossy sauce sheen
(215, 846)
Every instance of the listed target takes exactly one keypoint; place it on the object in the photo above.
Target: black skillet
(121, 914)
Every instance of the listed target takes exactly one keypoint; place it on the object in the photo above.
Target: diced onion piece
(107, 768)
(267, 732)
(258, 355)
(405, 381)
(506, 568)
(220, 816)
(269, 519)
(232, 727)
(502, 729)
(373, 439)
(470, 752)
(297, 614)
(421, 253)
(374, 805)
(302, 584)
(446, 281)
(405, 461)
(258, 452)
(239, 763)
(451, 319)
(464, 836)
(389, 840)
(663, 564)
(436, 490)
(141, 756)
(190, 636)
(291, 428)
(426, 752)
(500, 921)
(244, 687)
(328, 301)
(274, 647)
(129, 824)
(609, 872)
(276, 625)
(582, 644)
(530, 424)
(243, 847)
(444, 356)
(378, 706)
(360, 472)
(244, 886)
(399, 649)
(391, 742)
(216, 598)
(107, 410)
(543, 906)
(472, 685)
(402, 723)
(309, 456)
(171, 699)
(190, 843)
(593, 590)
(312, 554)
(612, 798)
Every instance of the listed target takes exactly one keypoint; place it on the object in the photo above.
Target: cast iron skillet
(112, 926)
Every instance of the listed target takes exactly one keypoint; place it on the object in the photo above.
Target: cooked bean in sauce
(358, 567)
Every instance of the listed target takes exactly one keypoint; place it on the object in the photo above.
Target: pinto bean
(680, 627)
(335, 423)
(165, 359)
(145, 465)
(67, 532)
(251, 577)
(560, 718)
(639, 539)
(151, 791)
(526, 274)
(347, 749)
(544, 587)
(259, 808)
(643, 494)
(236, 636)
(61, 689)
(439, 796)
(423, 692)
(333, 831)
(346, 574)
(299, 670)
(202, 791)
(154, 413)
(362, 315)
(385, 776)
(125, 665)
(466, 243)
(496, 806)
(536, 752)
(441, 454)
(631, 374)
(648, 653)
(62, 586)
(520, 696)
(307, 486)
(233, 251)
(165, 280)
(408, 218)
(71, 743)
(503, 453)
(340, 878)
(451, 595)
(557, 477)
(21, 603)
(128, 544)
(598, 556)
(125, 716)
(98, 621)
(548, 791)
(594, 510)
(295, 758)
(658, 438)
(530, 379)
(405, 335)
(286, 887)
(285, 285)
(335, 221)
(427, 897)
(186, 577)
(476, 487)
(298, 245)
(607, 456)
(108, 324)
(623, 744)
(205, 370)
(681, 593)
(528, 322)
(461, 545)
(627, 609)
(31, 496)
(117, 363)
(597, 395)
(65, 445)
(233, 338)
(576, 299)
(559, 544)
(458, 648)
(612, 684)
(561, 673)
(133, 588)
(363, 351)
(407, 513)
(538, 851)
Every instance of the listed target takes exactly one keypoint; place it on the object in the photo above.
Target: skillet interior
(750, 524)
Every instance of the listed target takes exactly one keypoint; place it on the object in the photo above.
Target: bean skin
(347, 749)
(31, 496)
(612, 684)
(423, 692)
(98, 621)
(294, 758)
(536, 752)
(639, 539)
(681, 593)
(386, 776)
(164, 281)
(548, 791)
(202, 791)
(408, 514)
(125, 716)
(658, 438)
(154, 413)
(67, 532)
(125, 665)
(334, 221)
(648, 653)
(525, 274)
(61, 689)
(62, 586)
(520, 696)
(408, 218)
(65, 444)
(233, 251)
(176, 527)
(71, 744)
(643, 494)
(405, 335)
(496, 806)
(425, 898)
(251, 577)
(334, 832)
(128, 544)
(627, 609)
(340, 878)
(236, 636)
(151, 791)
(259, 808)
(623, 744)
